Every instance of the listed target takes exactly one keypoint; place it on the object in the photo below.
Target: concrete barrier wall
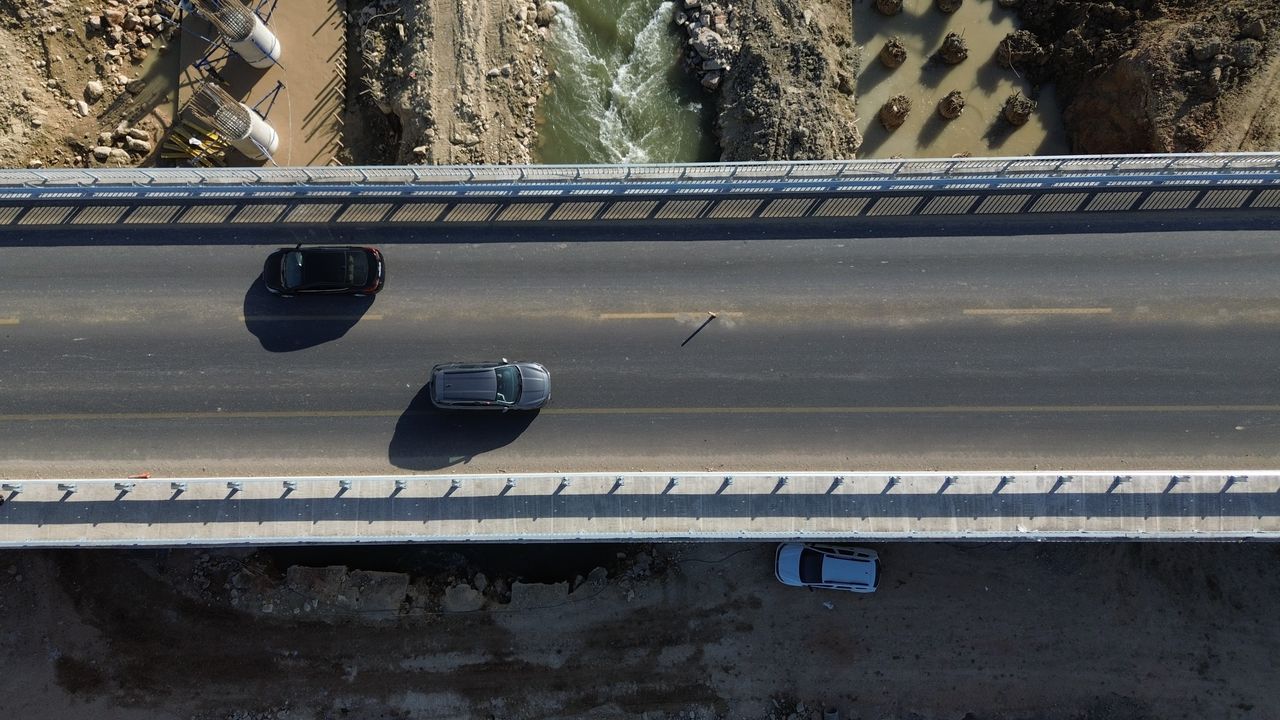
(641, 506)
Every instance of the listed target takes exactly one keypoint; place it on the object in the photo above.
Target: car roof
(848, 571)
(326, 266)
(468, 384)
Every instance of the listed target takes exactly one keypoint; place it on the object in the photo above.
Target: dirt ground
(979, 632)
(450, 82)
(1138, 76)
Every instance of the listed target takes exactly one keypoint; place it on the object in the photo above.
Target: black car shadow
(296, 323)
(427, 438)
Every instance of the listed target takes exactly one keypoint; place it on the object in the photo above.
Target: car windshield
(810, 566)
(292, 269)
(508, 384)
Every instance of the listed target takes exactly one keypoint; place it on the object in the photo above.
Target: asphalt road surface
(1093, 350)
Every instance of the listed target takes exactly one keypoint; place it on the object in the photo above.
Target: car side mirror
(505, 360)
(505, 409)
(298, 246)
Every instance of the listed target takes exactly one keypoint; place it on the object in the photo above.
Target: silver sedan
(502, 385)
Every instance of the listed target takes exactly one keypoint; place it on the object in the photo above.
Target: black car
(324, 270)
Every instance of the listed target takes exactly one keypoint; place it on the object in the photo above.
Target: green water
(619, 94)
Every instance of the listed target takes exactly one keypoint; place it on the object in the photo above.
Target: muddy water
(979, 130)
(619, 94)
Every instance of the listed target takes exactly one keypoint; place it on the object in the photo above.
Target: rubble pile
(123, 146)
(711, 45)
(782, 74)
(130, 29)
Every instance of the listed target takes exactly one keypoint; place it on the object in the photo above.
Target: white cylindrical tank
(260, 48)
(261, 141)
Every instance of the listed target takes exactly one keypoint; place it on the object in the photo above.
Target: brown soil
(1158, 75)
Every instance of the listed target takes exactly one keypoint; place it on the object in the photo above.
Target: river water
(619, 94)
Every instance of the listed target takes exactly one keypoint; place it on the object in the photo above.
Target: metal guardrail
(547, 507)
(851, 170)
(821, 191)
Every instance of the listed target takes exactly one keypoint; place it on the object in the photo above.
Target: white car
(833, 567)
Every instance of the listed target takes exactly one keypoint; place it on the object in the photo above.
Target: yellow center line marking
(833, 410)
(1039, 311)
(662, 315)
(9, 321)
(913, 410)
(295, 318)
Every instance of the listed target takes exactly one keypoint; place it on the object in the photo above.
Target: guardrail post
(11, 487)
(68, 488)
(125, 487)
